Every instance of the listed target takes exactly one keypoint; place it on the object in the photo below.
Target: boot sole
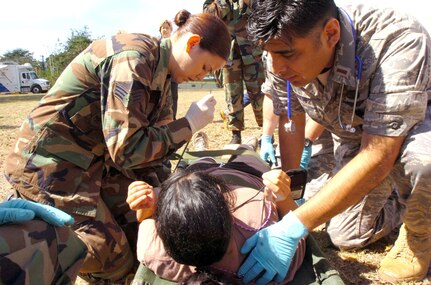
(394, 280)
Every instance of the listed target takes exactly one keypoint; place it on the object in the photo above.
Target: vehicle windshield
(33, 75)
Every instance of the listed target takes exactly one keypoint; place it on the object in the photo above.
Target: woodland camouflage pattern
(97, 130)
(101, 114)
(394, 100)
(38, 253)
(244, 65)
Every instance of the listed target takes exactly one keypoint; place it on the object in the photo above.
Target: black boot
(236, 137)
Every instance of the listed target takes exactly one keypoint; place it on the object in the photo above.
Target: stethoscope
(290, 125)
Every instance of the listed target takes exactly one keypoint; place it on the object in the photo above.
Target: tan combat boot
(408, 260)
(200, 141)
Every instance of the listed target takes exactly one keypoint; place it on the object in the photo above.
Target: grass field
(357, 267)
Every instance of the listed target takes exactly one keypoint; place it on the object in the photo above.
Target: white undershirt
(323, 78)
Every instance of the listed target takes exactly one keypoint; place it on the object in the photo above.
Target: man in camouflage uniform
(105, 123)
(35, 251)
(317, 156)
(321, 164)
(382, 136)
(243, 68)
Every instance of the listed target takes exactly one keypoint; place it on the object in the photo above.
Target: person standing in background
(165, 30)
(243, 68)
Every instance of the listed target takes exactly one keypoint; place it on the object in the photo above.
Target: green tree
(54, 64)
(76, 43)
(19, 56)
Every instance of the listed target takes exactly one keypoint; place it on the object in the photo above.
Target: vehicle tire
(36, 89)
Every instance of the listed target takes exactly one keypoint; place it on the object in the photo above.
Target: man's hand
(272, 250)
(18, 211)
(201, 113)
(267, 149)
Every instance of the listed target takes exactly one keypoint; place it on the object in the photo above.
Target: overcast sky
(38, 26)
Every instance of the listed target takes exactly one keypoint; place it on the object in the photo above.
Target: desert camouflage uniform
(394, 100)
(243, 67)
(36, 252)
(322, 157)
(321, 164)
(95, 132)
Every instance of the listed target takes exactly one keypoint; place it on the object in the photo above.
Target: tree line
(51, 67)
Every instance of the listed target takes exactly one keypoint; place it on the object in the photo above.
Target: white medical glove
(201, 112)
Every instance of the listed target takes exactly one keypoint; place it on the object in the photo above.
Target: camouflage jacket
(105, 108)
(235, 15)
(395, 86)
(35, 252)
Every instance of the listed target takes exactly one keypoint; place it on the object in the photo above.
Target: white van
(21, 78)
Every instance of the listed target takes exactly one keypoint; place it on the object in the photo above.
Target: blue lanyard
(289, 108)
(290, 125)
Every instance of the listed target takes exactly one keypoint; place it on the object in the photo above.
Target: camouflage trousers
(235, 76)
(403, 197)
(321, 164)
(38, 253)
(111, 236)
(318, 173)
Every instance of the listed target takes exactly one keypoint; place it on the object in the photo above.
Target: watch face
(307, 142)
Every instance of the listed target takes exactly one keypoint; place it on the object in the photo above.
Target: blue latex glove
(300, 201)
(18, 210)
(267, 149)
(272, 250)
(305, 158)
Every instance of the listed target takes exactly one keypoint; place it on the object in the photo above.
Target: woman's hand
(278, 182)
(142, 198)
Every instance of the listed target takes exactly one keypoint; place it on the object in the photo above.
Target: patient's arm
(142, 198)
(277, 183)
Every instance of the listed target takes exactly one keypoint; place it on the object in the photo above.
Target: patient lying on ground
(202, 217)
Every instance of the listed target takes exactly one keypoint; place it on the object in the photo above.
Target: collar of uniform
(162, 66)
(344, 70)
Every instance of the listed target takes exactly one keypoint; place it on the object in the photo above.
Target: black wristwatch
(308, 143)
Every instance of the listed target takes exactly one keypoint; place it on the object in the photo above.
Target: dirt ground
(357, 267)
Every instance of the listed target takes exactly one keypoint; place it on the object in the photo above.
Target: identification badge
(289, 127)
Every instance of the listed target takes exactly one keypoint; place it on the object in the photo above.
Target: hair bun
(182, 17)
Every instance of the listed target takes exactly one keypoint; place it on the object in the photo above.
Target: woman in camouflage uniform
(108, 121)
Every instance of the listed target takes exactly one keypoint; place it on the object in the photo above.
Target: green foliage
(51, 67)
(75, 44)
(19, 56)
